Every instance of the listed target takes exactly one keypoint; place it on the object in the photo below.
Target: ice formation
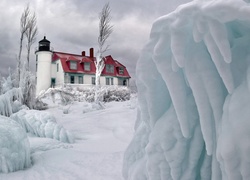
(14, 146)
(42, 124)
(7, 100)
(193, 80)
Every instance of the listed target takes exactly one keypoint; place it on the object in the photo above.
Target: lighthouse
(43, 66)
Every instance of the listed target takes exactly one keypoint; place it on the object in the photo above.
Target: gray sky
(72, 26)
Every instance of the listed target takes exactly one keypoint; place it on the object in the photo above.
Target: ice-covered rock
(14, 146)
(42, 124)
(193, 115)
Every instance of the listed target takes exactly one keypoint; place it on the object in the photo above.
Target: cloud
(72, 26)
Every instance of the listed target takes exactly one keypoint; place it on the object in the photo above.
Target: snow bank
(14, 146)
(193, 115)
(42, 124)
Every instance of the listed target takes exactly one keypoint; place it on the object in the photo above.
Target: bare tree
(30, 34)
(24, 24)
(105, 29)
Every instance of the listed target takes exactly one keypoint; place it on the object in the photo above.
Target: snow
(101, 137)
(14, 146)
(193, 117)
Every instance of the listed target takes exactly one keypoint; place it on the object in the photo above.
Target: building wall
(43, 73)
(57, 73)
(88, 79)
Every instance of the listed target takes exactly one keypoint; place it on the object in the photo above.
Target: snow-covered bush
(6, 84)
(107, 94)
(14, 146)
(57, 96)
(27, 85)
(40, 105)
(7, 100)
(193, 117)
(42, 124)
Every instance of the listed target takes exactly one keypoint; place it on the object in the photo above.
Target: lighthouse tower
(43, 64)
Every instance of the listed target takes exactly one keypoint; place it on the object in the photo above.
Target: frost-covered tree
(105, 29)
(27, 85)
(24, 25)
(31, 34)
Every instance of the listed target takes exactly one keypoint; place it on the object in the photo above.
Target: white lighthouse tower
(43, 64)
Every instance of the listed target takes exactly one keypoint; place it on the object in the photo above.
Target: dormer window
(121, 70)
(109, 68)
(73, 65)
(86, 66)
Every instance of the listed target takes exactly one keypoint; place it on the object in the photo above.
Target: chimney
(83, 53)
(91, 52)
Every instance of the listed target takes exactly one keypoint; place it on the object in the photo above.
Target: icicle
(175, 83)
(175, 67)
(195, 69)
(219, 34)
(178, 45)
(222, 67)
(198, 36)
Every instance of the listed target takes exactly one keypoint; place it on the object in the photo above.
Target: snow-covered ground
(101, 138)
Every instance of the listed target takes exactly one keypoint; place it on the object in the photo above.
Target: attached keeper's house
(58, 69)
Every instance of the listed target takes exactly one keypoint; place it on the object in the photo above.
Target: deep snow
(101, 138)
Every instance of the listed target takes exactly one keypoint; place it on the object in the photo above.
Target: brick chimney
(83, 53)
(91, 52)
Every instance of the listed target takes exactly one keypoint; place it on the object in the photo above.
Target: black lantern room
(44, 45)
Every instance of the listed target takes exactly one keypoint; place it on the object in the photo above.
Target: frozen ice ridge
(194, 106)
(42, 124)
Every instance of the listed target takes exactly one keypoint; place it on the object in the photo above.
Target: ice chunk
(14, 146)
(193, 114)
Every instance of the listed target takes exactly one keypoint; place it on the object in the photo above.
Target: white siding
(87, 79)
(43, 73)
(115, 81)
(59, 75)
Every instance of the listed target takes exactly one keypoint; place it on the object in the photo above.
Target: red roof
(65, 59)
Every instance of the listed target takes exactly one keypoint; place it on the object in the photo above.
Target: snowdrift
(42, 124)
(14, 146)
(193, 116)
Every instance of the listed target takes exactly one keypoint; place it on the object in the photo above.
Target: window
(107, 81)
(53, 82)
(72, 79)
(109, 68)
(57, 67)
(87, 66)
(93, 80)
(112, 81)
(73, 65)
(80, 79)
(125, 82)
(121, 70)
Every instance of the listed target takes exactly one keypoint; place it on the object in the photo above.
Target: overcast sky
(72, 26)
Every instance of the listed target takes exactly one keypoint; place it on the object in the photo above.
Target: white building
(59, 69)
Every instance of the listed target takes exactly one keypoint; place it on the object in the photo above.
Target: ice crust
(193, 115)
(42, 124)
(14, 146)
